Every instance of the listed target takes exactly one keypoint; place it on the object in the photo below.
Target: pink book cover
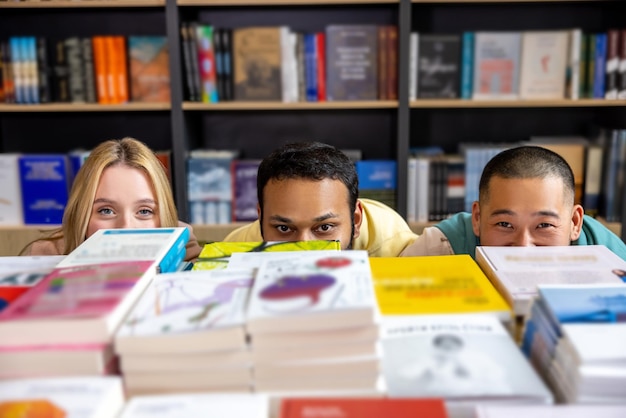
(78, 292)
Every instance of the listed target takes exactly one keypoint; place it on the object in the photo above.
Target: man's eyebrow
(512, 213)
(282, 219)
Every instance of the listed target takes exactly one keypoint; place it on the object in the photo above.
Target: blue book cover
(467, 65)
(600, 66)
(376, 174)
(209, 187)
(586, 303)
(310, 60)
(44, 180)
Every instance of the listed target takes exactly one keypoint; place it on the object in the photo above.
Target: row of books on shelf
(99, 69)
(36, 186)
(554, 64)
(281, 321)
(222, 188)
(344, 62)
(440, 185)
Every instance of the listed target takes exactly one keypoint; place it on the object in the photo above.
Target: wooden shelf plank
(370, 104)
(458, 103)
(83, 107)
(278, 2)
(503, 1)
(51, 4)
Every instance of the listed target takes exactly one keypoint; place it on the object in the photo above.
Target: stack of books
(313, 323)
(65, 323)
(187, 334)
(576, 338)
(517, 271)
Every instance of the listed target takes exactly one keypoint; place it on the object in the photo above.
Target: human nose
(125, 221)
(305, 236)
(524, 239)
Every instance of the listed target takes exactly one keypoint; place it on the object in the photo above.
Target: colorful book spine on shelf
(467, 64)
(599, 65)
(206, 63)
(310, 58)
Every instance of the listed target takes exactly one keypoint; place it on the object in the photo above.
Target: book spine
(227, 51)
(195, 63)
(612, 65)
(206, 60)
(311, 67)
(121, 68)
(599, 66)
(75, 64)
(413, 66)
(382, 62)
(88, 71)
(593, 179)
(573, 65)
(392, 63)
(8, 81)
(16, 66)
(320, 53)
(176, 253)
(301, 62)
(621, 79)
(43, 69)
(29, 46)
(186, 47)
(584, 66)
(100, 68)
(467, 64)
(219, 63)
(110, 64)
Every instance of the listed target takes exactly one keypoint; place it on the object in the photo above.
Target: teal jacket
(458, 230)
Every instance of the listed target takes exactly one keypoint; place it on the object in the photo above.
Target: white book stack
(187, 333)
(551, 411)
(313, 324)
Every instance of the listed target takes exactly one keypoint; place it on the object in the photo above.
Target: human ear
(358, 219)
(577, 222)
(476, 218)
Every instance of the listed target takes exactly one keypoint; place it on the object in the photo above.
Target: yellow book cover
(215, 254)
(435, 285)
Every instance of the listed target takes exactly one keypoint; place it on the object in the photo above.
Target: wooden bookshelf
(208, 3)
(236, 106)
(458, 103)
(84, 107)
(74, 4)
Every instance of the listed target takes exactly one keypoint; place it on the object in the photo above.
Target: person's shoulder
(45, 247)
(246, 233)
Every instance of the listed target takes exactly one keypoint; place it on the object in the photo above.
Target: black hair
(527, 162)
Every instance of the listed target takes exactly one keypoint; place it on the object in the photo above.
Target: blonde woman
(122, 184)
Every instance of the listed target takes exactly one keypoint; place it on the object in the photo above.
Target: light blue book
(467, 65)
(586, 303)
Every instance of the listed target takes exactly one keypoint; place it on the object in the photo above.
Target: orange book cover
(121, 69)
(362, 408)
(110, 69)
(100, 67)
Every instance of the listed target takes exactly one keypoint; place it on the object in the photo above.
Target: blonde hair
(128, 152)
